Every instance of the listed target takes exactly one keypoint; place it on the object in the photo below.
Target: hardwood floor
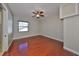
(37, 46)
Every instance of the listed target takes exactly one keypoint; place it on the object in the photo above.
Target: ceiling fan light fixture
(39, 13)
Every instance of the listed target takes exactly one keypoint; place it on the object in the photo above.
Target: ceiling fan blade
(41, 12)
(34, 13)
(38, 12)
(42, 15)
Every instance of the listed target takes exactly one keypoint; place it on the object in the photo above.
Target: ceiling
(26, 9)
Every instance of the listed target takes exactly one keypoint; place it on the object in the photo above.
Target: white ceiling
(26, 9)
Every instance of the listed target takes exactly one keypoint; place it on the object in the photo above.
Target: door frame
(5, 28)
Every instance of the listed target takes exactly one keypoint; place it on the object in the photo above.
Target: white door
(71, 33)
(5, 28)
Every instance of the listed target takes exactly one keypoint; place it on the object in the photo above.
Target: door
(1, 28)
(71, 33)
(5, 28)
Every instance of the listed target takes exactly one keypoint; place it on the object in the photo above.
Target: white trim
(53, 38)
(25, 36)
(7, 48)
(71, 50)
(5, 18)
(38, 34)
(2, 53)
(4, 7)
(10, 44)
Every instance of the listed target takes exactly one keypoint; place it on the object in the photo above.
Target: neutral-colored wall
(10, 28)
(49, 26)
(52, 26)
(33, 27)
(71, 33)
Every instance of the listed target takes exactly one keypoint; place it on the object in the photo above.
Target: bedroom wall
(52, 26)
(10, 28)
(33, 27)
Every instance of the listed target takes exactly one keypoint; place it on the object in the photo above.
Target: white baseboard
(10, 44)
(7, 48)
(2, 53)
(38, 34)
(53, 38)
(25, 36)
(71, 50)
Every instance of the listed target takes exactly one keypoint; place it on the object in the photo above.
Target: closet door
(71, 33)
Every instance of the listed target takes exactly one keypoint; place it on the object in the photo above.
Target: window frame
(27, 26)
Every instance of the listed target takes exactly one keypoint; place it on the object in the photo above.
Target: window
(23, 26)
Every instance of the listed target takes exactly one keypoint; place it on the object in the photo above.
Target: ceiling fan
(38, 13)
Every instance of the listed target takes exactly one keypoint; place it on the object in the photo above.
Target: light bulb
(37, 15)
